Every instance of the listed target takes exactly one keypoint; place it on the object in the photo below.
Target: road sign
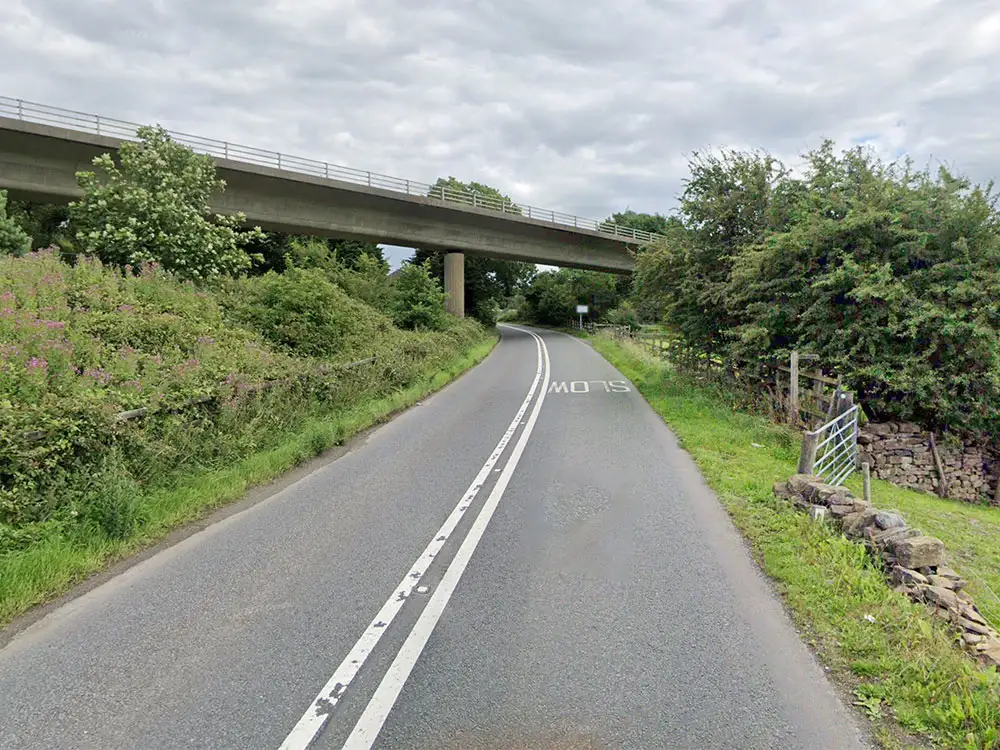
(582, 309)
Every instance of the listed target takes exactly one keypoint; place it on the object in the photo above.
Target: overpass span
(43, 147)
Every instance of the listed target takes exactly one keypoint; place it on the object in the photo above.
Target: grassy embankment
(904, 668)
(81, 344)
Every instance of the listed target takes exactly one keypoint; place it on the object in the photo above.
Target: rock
(907, 576)
(799, 482)
(884, 538)
(918, 551)
(819, 493)
(909, 428)
(941, 582)
(839, 511)
(861, 505)
(887, 520)
(875, 428)
(991, 655)
(969, 612)
(856, 523)
(865, 439)
(818, 512)
(971, 639)
(941, 597)
(881, 537)
(946, 572)
(784, 490)
(973, 627)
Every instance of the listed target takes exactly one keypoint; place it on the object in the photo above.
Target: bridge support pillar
(454, 283)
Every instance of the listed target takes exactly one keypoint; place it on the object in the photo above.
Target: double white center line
(370, 724)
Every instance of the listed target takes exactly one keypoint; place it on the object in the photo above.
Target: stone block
(918, 552)
(878, 428)
(908, 577)
(856, 523)
(799, 482)
(887, 520)
(839, 511)
(784, 490)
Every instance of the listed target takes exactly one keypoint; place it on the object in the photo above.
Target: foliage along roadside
(58, 558)
(889, 273)
(84, 342)
(899, 663)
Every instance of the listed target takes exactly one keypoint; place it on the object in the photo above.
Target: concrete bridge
(42, 148)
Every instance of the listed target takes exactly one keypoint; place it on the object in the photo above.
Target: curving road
(525, 560)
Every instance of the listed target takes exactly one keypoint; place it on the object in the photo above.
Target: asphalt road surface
(525, 560)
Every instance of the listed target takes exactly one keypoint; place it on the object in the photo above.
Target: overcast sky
(588, 111)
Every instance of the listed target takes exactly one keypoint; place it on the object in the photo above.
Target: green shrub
(13, 239)
(418, 300)
(888, 273)
(84, 342)
(304, 313)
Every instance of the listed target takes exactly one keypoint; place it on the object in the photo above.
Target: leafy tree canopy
(155, 207)
(889, 273)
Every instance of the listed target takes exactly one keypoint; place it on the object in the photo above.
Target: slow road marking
(588, 386)
(375, 714)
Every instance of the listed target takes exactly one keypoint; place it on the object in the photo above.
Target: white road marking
(316, 716)
(583, 386)
(365, 732)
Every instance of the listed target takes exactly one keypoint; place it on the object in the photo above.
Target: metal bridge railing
(47, 115)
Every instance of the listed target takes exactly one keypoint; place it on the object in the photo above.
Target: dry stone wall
(913, 562)
(900, 452)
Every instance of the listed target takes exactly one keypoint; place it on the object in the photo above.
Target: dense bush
(13, 239)
(302, 312)
(418, 300)
(82, 343)
(890, 274)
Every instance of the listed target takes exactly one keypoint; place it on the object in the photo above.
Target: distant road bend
(526, 560)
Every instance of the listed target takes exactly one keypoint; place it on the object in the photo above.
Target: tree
(653, 223)
(13, 239)
(417, 299)
(348, 252)
(489, 283)
(553, 296)
(45, 223)
(155, 207)
(473, 193)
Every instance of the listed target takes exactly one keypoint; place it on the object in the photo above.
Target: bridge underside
(39, 162)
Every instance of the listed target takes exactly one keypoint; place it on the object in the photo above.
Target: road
(524, 560)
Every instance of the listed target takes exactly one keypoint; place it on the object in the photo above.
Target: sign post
(582, 310)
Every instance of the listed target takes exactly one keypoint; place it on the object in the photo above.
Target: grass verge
(901, 665)
(54, 564)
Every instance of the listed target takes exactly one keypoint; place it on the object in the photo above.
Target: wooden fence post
(866, 476)
(793, 389)
(807, 458)
(818, 391)
(943, 479)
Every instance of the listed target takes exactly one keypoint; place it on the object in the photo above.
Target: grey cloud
(582, 109)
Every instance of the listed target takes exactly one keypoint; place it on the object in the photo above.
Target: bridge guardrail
(48, 115)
